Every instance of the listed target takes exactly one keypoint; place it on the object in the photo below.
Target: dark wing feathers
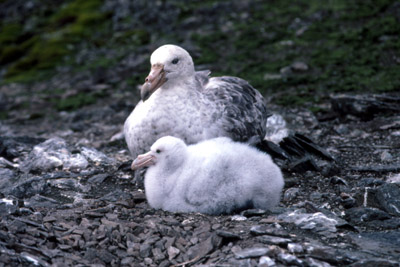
(244, 110)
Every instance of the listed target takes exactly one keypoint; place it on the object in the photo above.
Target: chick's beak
(143, 160)
(154, 81)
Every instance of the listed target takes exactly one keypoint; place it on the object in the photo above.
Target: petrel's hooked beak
(143, 160)
(154, 81)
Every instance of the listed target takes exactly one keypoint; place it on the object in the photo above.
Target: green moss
(78, 18)
(82, 26)
(83, 11)
(208, 54)
(293, 100)
(10, 36)
(348, 45)
(3, 115)
(44, 54)
(29, 76)
(46, 49)
(74, 102)
(343, 49)
(10, 33)
(10, 53)
(133, 37)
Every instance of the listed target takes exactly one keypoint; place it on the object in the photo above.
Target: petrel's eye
(158, 151)
(175, 60)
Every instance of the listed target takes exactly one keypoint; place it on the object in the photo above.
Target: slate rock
(395, 167)
(338, 180)
(303, 165)
(378, 243)
(342, 129)
(388, 196)
(375, 262)
(394, 179)
(29, 187)
(14, 147)
(205, 247)
(39, 201)
(299, 66)
(316, 263)
(291, 194)
(8, 205)
(172, 252)
(33, 259)
(266, 261)
(386, 156)
(238, 218)
(4, 101)
(317, 222)
(326, 254)
(254, 252)
(370, 182)
(228, 236)
(289, 259)
(96, 156)
(365, 214)
(105, 256)
(286, 72)
(265, 229)
(90, 254)
(127, 261)
(295, 248)
(315, 196)
(51, 154)
(6, 176)
(6, 163)
(273, 240)
(98, 178)
(253, 212)
(145, 250)
(348, 203)
(365, 106)
(67, 184)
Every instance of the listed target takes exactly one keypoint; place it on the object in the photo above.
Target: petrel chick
(216, 176)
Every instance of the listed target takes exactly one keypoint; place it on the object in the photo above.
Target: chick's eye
(175, 61)
(158, 151)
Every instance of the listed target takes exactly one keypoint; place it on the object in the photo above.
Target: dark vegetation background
(62, 55)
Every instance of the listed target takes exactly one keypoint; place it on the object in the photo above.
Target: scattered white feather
(276, 129)
(216, 176)
(6, 201)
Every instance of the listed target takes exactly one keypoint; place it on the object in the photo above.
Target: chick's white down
(216, 176)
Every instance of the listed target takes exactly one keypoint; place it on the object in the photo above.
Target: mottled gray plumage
(192, 106)
(245, 111)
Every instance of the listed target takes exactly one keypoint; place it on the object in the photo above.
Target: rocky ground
(69, 70)
(68, 198)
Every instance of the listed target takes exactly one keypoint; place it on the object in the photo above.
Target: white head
(169, 64)
(167, 153)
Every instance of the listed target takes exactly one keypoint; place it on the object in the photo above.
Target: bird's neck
(175, 162)
(188, 83)
(168, 173)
